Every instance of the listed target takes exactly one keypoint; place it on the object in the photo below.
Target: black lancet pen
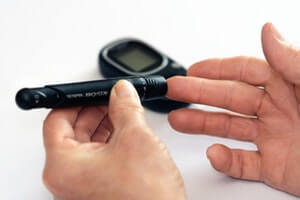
(88, 93)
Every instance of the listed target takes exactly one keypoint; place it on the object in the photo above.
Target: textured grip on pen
(156, 87)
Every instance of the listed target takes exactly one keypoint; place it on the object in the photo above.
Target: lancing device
(88, 93)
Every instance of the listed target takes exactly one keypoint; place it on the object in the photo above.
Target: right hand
(95, 153)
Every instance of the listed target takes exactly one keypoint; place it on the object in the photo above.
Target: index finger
(231, 95)
(58, 126)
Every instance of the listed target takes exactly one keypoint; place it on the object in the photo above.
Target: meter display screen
(136, 58)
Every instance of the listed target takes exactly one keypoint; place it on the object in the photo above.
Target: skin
(111, 153)
(107, 153)
(264, 100)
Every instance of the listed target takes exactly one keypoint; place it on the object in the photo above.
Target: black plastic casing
(172, 68)
(87, 93)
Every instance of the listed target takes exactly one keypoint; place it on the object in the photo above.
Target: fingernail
(276, 33)
(124, 89)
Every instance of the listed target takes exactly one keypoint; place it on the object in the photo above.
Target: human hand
(108, 153)
(267, 91)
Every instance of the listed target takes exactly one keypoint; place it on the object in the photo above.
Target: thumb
(283, 57)
(125, 109)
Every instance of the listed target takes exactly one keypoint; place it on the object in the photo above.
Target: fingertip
(170, 116)
(173, 86)
(125, 108)
(176, 119)
(122, 97)
(220, 157)
(124, 89)
(270, 29)
(191, 70)
(280, 54)
(194, 68)
(271, 38)
(266, 30)
(207, 68)
(266, 27)
(173, 79)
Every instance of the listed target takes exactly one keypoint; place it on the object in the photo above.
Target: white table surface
(43, 42)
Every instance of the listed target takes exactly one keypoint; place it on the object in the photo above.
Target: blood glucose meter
(133, 57)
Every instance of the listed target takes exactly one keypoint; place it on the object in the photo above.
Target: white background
(56, 41)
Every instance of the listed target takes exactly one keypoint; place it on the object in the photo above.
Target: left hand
(275, 109)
